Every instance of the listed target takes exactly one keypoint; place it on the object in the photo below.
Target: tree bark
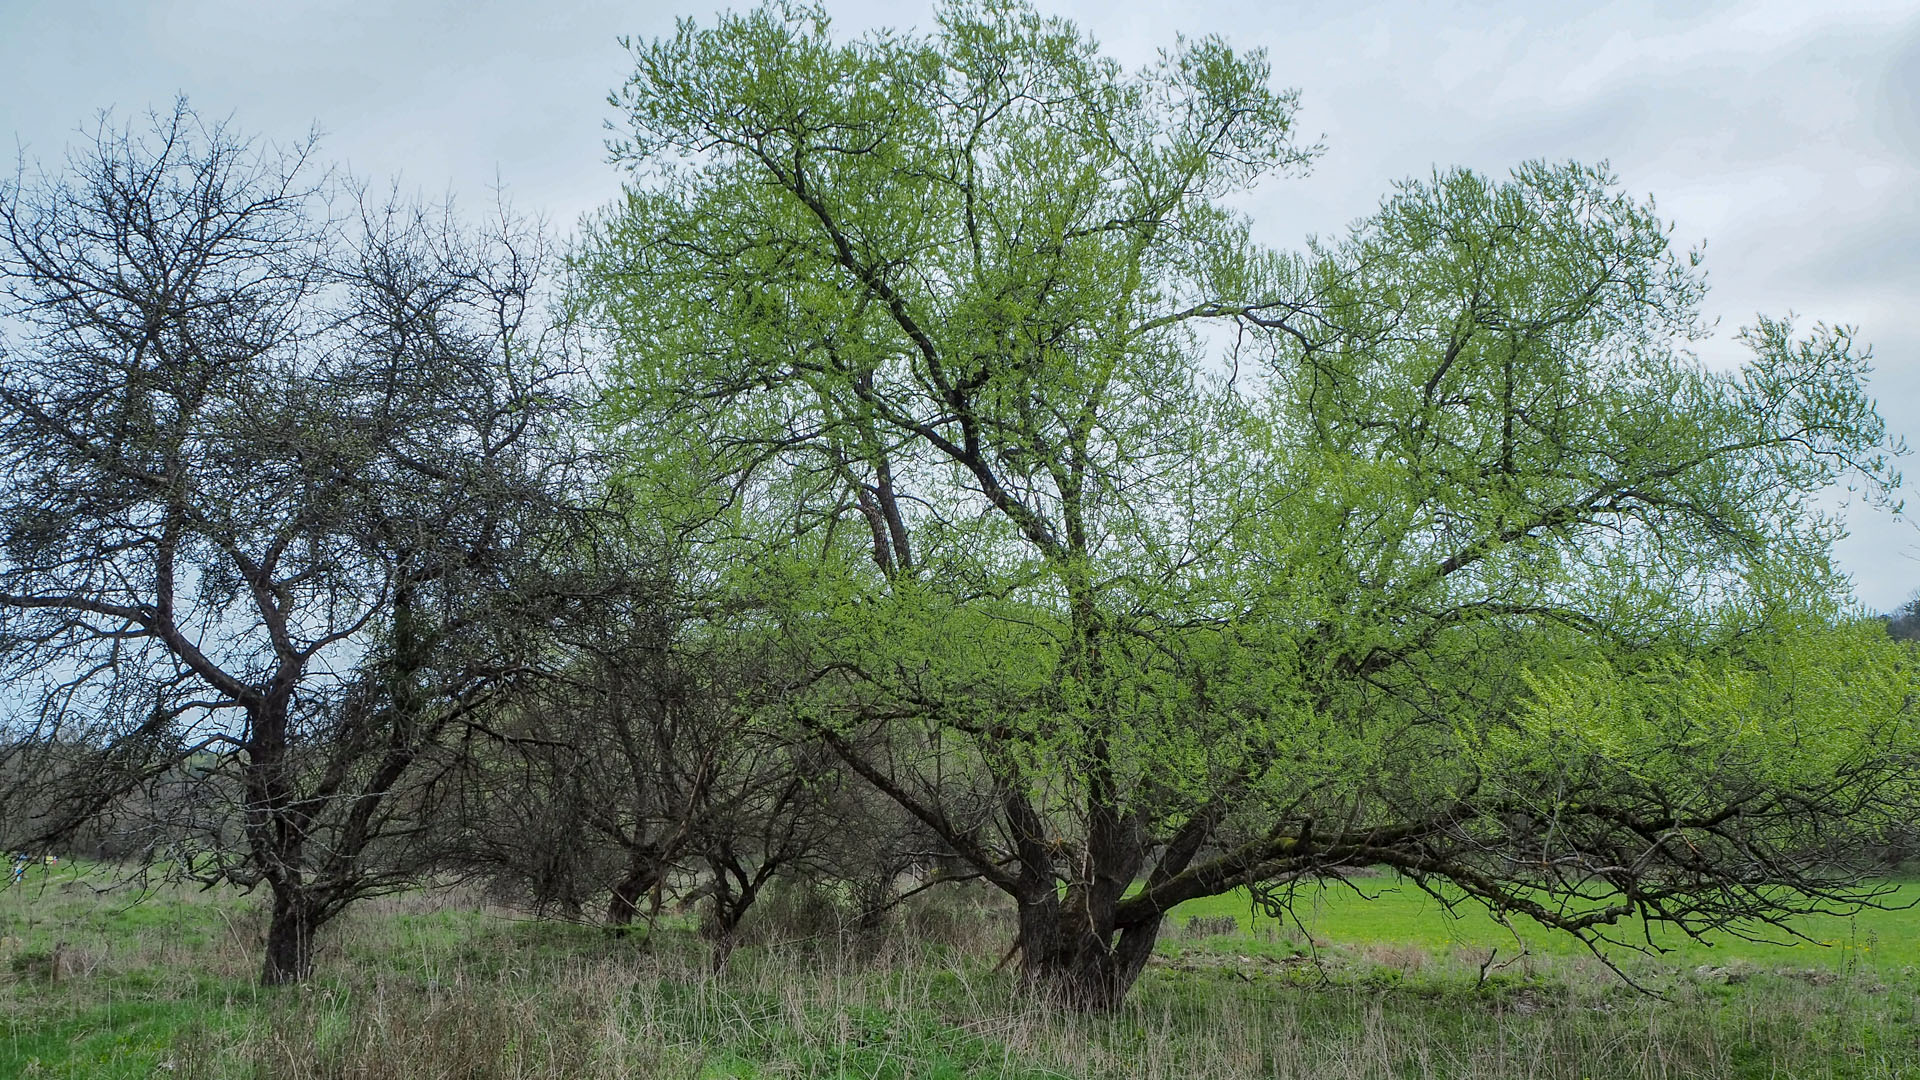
(734, 891)
(289, 955)
(1079, 965)
(643, 873)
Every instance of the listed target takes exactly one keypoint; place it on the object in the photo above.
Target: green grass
(442, 984)
(1386, 910)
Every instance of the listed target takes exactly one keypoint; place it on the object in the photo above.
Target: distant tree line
(1903, 622)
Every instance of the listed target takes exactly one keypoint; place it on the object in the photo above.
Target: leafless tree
(655, 763)
(280, 464)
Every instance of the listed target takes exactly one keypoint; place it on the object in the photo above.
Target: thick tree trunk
(289, 956)
(275, 833)
(1081, 966)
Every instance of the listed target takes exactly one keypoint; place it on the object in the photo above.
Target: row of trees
(1903, 623)
(923, 462)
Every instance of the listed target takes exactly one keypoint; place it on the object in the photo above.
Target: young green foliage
(930, 323)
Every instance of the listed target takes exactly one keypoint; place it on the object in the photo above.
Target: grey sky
(1787, 135)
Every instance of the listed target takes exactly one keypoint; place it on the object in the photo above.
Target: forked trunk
(643, 874)
(1078, 964)
(721, 927)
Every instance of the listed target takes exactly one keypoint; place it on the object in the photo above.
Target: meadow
(160, 982)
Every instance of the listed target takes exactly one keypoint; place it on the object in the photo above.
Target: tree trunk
(643, 873)
(721, 927)
(1079, 966)
(290, 935)
(875, 895)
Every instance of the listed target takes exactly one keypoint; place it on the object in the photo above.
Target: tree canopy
(1149, 563)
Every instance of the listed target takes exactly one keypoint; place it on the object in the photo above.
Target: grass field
(1385, 910)
(444, 985)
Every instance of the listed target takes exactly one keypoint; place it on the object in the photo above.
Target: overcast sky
(1787, 135)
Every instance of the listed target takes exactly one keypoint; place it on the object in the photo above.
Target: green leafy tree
(1141, 564)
